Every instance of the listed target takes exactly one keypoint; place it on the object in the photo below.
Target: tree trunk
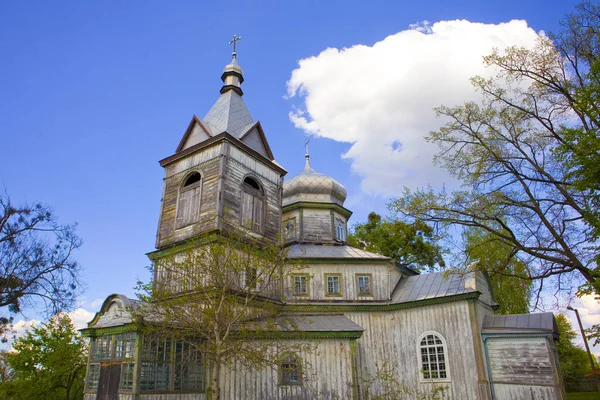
(216, 380)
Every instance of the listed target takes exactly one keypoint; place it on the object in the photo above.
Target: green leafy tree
(223, 296)
(49, 363)
(509, 151)
(409, 244)
(574, 361)
(579, 44)
(508, 274)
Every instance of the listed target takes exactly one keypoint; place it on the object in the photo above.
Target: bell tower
(223, 174)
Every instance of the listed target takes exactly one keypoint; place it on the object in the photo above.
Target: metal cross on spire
(306, 144)
(234, 41)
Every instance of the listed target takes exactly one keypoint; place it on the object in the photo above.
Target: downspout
(489, 367)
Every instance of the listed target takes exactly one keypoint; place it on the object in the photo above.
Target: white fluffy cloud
(80, 317)
(380, 98)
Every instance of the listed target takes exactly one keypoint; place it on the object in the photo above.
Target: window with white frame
(333, 284)
(188, 203)
(363, 283)
(127, 375)
(101, 348)
(432, 357)
(290, 370)
(93, 375)
(300, 287)
(340, 231)
(252, 213)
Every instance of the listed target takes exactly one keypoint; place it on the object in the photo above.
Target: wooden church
(431, 333)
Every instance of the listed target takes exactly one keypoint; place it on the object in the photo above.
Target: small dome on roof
(233, 67)
(311, 186)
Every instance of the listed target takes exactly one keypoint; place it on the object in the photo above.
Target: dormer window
(252, 205)
(188, 203)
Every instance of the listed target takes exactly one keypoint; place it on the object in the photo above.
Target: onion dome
(311, 186)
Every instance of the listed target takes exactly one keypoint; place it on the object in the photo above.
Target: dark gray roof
(539, 322)
(319, 323)
(428, 286)
(229, 114)
(300, 251)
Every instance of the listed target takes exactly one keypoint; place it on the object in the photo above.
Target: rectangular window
(340, 231)
(93, 376)
(127, 376)
(252, 211)
(171, 365)
(188, 367)
(155, 364)
(333, 284)
(124, 346)
(101, 347)
(300, 285)
(363, 283)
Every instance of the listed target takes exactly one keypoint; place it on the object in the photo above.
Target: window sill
(334, 295)
(441, 380)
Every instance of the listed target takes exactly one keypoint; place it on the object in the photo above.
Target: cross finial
(306, 144)
(234, 41)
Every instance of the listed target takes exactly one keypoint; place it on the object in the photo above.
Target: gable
(194, 134)
(256, 140)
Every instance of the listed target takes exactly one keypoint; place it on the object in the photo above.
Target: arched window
(188, 203)
(252, 205)
(432, 357)
(290, 370)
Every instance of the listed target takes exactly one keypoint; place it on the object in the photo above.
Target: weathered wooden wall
(207, 163)
(327, 375)
(317, 225)
(390, 339)
(383, 279)
(522, 368)
(169, 396)
(238, 165)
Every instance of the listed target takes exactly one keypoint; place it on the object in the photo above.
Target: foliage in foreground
(386, 385)
(36, 260)
(48, 363)
(508, 274)
(522, 154)
(574, 361)
(221, 296)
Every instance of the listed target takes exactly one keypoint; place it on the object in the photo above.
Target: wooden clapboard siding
(520, 360)
(238, 166)
(221, 193)
(317, 225)
(391, 338)
(524, 392)
(383, 280)
(122, 396)
(207, 217)
(327, 374)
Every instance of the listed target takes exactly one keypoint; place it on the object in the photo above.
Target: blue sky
(93, 94)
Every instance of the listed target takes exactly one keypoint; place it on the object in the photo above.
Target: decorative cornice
(337, 308)
(223, 137)
(110, 330)
(309, 260)
(320, 205)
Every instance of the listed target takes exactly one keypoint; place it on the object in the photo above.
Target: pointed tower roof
(228, 117)
(230, 114)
